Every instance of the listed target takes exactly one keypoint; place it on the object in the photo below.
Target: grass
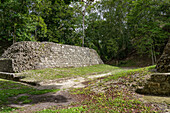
(113, 100)
(80, 109)
(123, 73)
(10, 88)
(55, 73)
(24, 99)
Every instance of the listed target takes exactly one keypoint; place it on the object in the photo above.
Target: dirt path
(61, 98)
(63, 84)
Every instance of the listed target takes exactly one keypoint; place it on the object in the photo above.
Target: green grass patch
(114, 100)
(11, 88)
(81, 109)
(5, 109)
(24, 99)
(142, 71)
(54, 73)
(43, 91)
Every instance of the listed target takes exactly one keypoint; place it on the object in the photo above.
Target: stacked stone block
(158, 84)
(6, 65)
(163, 64)
(28, 55)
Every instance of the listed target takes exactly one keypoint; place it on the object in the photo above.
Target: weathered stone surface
(6, 65)
(5, 75)
(158, 84)
(163, 64)
(37, 55)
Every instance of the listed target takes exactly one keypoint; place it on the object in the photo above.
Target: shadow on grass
(15, 94)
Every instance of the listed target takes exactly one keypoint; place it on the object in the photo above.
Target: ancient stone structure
(159, 83)
(163, 64)
(38, 55)
(6, 65)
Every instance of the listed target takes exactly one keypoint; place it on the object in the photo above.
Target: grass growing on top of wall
(54, 73)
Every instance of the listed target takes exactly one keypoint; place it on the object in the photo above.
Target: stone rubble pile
(28, 55)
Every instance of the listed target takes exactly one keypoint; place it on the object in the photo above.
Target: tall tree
(18, 24)
(110, 28)
(82, 7)
(59, 19)
(145, 21)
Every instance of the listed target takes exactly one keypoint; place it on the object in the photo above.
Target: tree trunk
(83, 29)
(155, 56)
(14, 35)
(152, 55)
(35, 38)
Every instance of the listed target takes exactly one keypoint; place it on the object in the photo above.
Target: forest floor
(113, 91)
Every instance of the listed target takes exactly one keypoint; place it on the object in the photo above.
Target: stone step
(158, 84)
(5, 75)
(11, 76)
(17, 77)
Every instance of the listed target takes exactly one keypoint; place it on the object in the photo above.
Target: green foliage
(121, 26)
(11, 89)
(145, 21)
(17, 22)
(60, 23)
(39, 92)
(107, 32)
(112, 27)
(43, 20)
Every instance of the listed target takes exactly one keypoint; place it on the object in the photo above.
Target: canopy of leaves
(112, 27)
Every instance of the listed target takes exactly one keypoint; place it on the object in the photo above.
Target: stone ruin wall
(38, 55)
(163, 64)
(159, 83)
